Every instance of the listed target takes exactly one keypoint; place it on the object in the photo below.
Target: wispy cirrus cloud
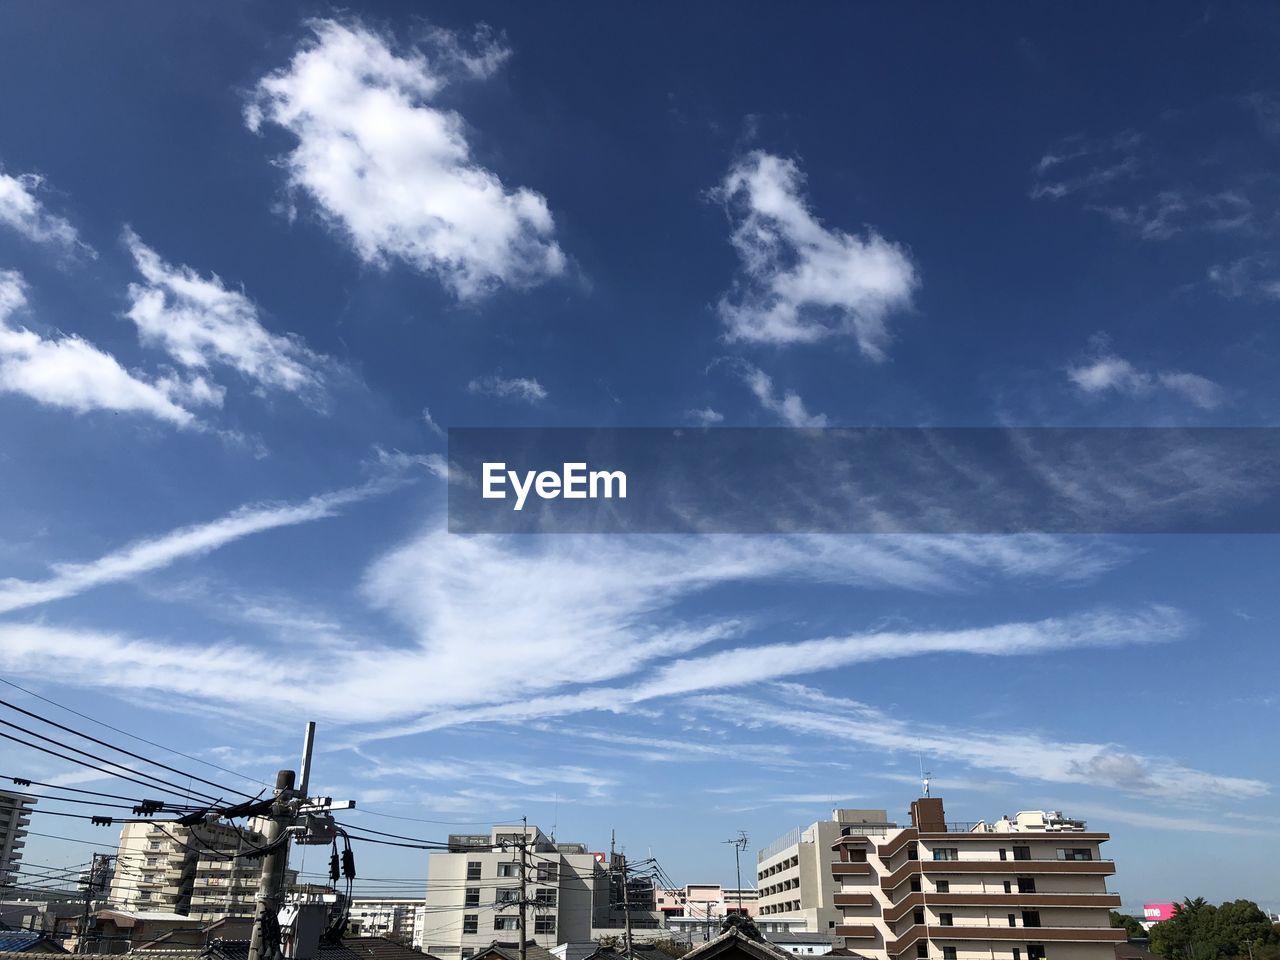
(788, 407)
(1079, 164)
(22, 210)
(803, 710)
(201, 323)
(523, 389)
(392, 170)
(149, 555)
(801, 281)
(70, 373)
(1105, 372)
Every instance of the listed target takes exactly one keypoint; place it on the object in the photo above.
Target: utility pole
(271, 878)
(739, 844)
(90, 887)
(626, 907)
(524, 900)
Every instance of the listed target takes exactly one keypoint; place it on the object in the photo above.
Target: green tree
(1132, 926)
(1200, 931)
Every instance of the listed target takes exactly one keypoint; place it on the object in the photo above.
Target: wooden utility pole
(626, 907)
(524, 900)
(90, 887)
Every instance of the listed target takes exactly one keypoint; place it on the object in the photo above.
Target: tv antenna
(925, 776)
(739, 845)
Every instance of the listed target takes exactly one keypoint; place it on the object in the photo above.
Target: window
(943, 886)
(948, 953)
(473, 869)
(946, 920)
(472, 898)
(506, 923)
(144, 894)
(946, 853)
(1017, 954)
(544, 924)
(505, 895)
(918, 917)
(468, 953)
(915, 886)
(1031, 918)
(831, 924)
(1004, 854)
(913, 852)
(509, 839)
(154, 845)
(922, 951)
(857, 856)
(508, 870)
(1035, 951)
(1022, 853)
(1075, 853)
(1008, 886)
(546, 898)
(1013, 920)
(1026, 884)
(548, 872)
(471, 923)
(152, 861)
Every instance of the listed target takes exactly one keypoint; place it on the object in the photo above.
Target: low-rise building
(394, 917)
(693, 913)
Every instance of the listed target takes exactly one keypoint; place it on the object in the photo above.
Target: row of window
(1035, 951)
(1030, 918)
(545, 897)
(471, 923)
(779, 866)
(544, 872)
(1019, 853)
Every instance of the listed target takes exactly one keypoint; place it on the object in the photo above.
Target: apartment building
(1025, 888)
(472, 889)
(794, 879)
(693, 913)
(196, 871)
(394, 917)
(15, 817)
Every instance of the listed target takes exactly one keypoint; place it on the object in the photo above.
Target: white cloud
(1107, 372)
(73, 374)
(789, 407)
(21, 210)
(392, 170)
(705, 417)
(146, 556)
(1078, 164)
(587, 609)
(431, 424)
(1252, 276)
(200, 323)
(802, 710)
(525, 389)
(802, 282)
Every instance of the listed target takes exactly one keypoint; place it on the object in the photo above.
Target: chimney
(927, 815)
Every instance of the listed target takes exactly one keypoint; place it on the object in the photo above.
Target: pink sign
(1157, 912)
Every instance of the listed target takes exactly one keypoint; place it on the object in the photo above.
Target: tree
(1200, 931)
(1132, 926)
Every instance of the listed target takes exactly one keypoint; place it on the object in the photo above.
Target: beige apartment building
(796, 886)
(15, 817)
(473, 888)
(194, 871)
(1026, 888)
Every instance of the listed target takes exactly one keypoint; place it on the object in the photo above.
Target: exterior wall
(693, 913)
(465, 888)
(1033, 885)
(796, 884)
(15, 817)
(395, 917)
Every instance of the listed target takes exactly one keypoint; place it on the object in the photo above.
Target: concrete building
(1012, 889)
(472, 889)
(693, 913)
(394, 917)
(15, 817)
(196, 871)
(793, 874)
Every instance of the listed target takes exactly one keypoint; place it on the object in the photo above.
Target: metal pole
(524, 901)
(271, 878)
(308, 742)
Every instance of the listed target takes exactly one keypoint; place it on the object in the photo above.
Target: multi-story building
(793, 874)
(694, 912)
(394, 917)
(198, 871)
(1015, 889)
(15, 817)
(473, 890)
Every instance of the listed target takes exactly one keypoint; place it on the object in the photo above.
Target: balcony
(1004, 934)
(842, 869)
(854, 900)
(1003, 901)
(1031, 868)
(856, 932)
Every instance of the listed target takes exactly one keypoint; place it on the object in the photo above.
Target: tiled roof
(20, 941)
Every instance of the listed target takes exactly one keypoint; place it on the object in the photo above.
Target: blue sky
(255, 258)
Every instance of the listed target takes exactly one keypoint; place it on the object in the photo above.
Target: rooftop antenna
(924, 777)
(739, 844)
